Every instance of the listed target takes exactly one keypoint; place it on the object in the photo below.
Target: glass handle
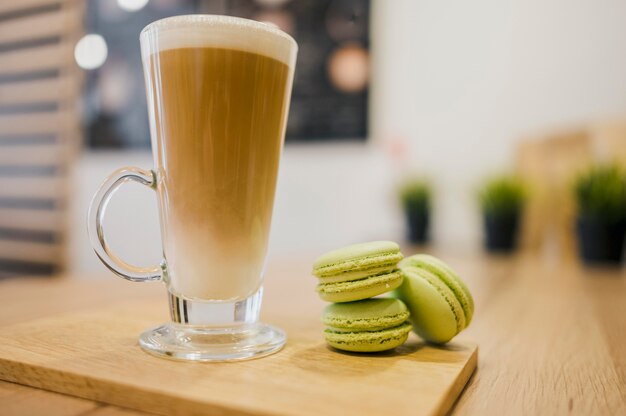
(95, 220)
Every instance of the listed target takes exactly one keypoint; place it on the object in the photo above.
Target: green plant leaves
(601, 192)
(416, 196)
(502, 196)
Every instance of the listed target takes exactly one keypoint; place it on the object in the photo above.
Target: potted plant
(502, 201)
(416, 201)
(601, 213)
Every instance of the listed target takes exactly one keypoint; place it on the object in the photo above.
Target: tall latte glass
(218, 93)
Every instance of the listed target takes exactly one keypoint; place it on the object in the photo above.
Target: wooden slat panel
(40, 26)
(41, 58)
(34, 123)
(9, 6)
(33, 252)
(24, 219)
(38, 91)
(31, 155)
(27, 229)
(14, 268)
(52, 187)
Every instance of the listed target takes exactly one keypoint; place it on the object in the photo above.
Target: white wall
(461, 81)
(465, 80)
(327, 196)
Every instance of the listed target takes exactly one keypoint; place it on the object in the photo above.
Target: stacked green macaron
(349, 277)
(359, 271)
(368, 325)
(441, 305)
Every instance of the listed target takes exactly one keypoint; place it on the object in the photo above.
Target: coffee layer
(218, 127)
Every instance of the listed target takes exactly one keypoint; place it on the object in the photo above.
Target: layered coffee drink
(219, 107)
(218, 91)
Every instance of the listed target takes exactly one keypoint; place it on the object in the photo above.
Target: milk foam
(211, 266)
(194, 31)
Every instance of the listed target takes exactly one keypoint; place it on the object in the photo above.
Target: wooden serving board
(95, 355)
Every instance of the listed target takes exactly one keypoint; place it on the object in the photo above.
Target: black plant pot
(501, 232)
(600, 241)
(418, 222)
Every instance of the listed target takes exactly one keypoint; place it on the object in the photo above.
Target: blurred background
(457, 124)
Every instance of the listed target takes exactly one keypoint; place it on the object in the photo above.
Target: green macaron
(357, 261)
(369, 325)
(441, 306)
(359, 271)
(360, 289)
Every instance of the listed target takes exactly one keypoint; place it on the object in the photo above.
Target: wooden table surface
(551, 333)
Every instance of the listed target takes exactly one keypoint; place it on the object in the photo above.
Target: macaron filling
(360, 264)
(358, 325)
(360, 289)
(359, 284)
(365, 315)
(351, 275)
(368, 341)
(366, 335)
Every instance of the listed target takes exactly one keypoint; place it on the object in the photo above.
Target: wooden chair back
(549, 164)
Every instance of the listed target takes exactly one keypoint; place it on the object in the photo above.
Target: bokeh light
(91, 51)
(348, 68)
(132, 5)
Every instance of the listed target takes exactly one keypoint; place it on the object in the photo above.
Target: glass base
(213, 331)
(212, 344)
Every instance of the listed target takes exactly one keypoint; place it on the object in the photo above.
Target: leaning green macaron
(441, 306)
(359, 271)
(369, 325)
(448, 276)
